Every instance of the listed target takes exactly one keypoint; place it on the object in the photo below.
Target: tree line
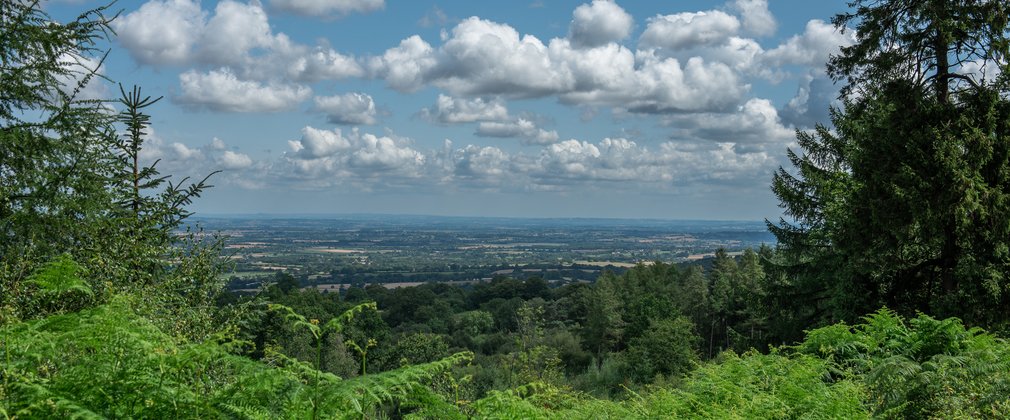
(654, 321)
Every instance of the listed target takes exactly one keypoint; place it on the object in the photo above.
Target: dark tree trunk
(941, 48)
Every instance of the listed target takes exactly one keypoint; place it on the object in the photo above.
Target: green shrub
(58, 287)
(109, 362)
(925, 368)
(751, 386)
(666, 348)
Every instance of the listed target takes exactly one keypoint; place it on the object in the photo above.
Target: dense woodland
(890, 268)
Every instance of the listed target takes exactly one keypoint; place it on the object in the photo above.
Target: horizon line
(344, 215)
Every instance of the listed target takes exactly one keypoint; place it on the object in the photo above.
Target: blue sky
(631, 109)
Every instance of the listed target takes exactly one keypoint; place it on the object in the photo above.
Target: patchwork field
(408, 250)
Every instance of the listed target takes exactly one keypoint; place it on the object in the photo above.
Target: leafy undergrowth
(108, 362)
(885, 367)
(922, 368)
(748, 386)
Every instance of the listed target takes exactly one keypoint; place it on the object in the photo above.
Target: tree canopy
(904, 201)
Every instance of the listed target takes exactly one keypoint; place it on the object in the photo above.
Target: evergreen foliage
(904, 202)
(667, 348)
(71, 184)
(55, 154)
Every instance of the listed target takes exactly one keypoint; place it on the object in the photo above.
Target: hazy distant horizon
(353, 216)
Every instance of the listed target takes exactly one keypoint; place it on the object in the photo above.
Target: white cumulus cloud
(234, 160)
(236, 35)
(385, 153)
(811, 48)
(685, 30)
(317, 143)
(756, 121)
(182, 152)
(488, 58)
(523, 128)
(305, 64)
(449, 110)
(162, 32)
(234, 30)
(350, 108)
(324, 158)
(220, 90)
(599, 23)
(757, 19)
(179, 160)
(476, 162)
(366, 161)
(483, 58)
(406, 66)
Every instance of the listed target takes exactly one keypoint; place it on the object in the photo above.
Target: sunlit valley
(396, 251)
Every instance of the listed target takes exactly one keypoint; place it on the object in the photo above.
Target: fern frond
(337, 323)
(46, 403)
(373, 389)
(246, 412)
(59, 287)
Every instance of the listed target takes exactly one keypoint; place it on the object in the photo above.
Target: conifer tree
(70, 183)
(55, 154)
(906, 201)
(604, 327)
